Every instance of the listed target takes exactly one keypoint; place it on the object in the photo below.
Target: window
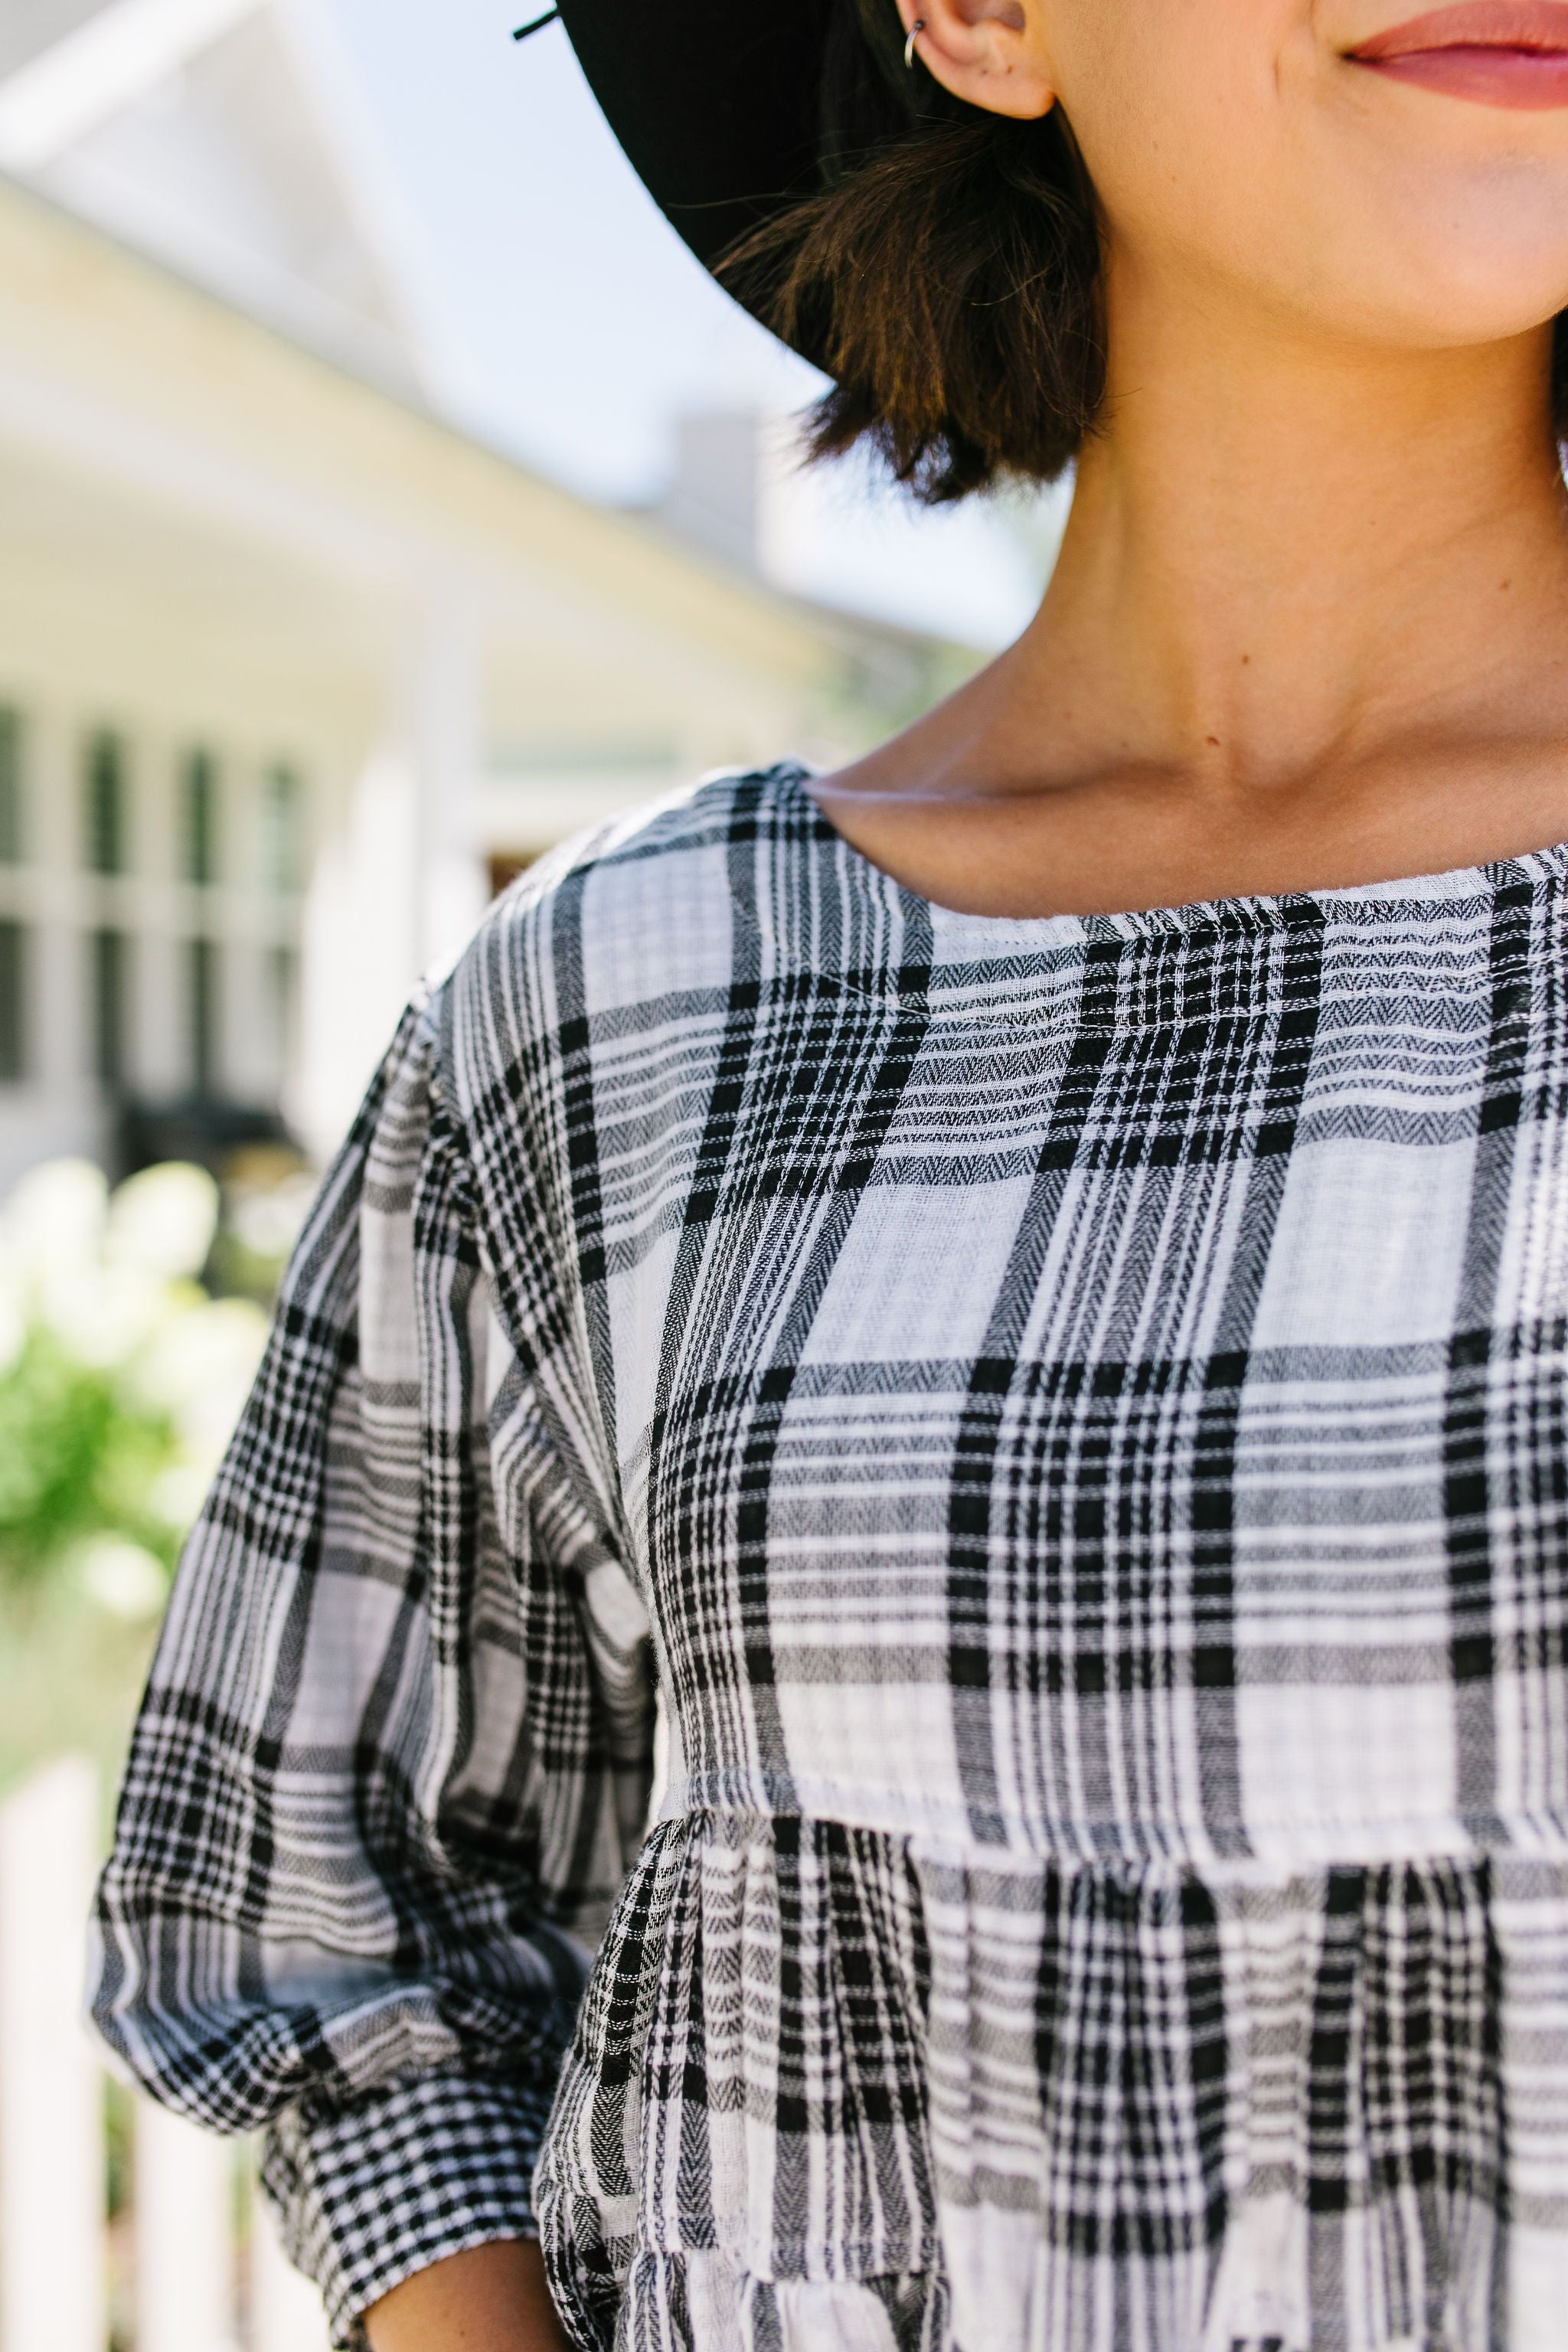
(105, 813)
(202, 1014)
(282, 847)
(10, 788)
(506, 864)
(109, 980)
(284, 974)
(13, 1002)
(198, 797)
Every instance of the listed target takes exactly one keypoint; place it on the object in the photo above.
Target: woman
(1022, 1286)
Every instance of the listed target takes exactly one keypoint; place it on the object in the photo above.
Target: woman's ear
(990, 53)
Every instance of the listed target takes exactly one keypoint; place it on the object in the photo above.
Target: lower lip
(1528, 80)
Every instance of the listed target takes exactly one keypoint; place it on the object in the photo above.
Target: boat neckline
(1247, 908)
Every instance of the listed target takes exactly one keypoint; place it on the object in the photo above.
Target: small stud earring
(916, 29)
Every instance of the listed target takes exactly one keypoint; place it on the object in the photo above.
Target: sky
(577, 325)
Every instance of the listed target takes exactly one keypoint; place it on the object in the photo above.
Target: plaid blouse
(1064, 1420)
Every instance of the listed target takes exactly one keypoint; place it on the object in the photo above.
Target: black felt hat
(714, 101)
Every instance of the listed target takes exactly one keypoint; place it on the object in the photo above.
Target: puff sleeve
(395, 1746)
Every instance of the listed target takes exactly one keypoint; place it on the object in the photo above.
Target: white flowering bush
(120, 1380)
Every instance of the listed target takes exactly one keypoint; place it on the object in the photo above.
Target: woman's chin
(1428, 260)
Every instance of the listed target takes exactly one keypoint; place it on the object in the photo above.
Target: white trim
(127, 48)
(130, 46)
(107, 440)
(183, 2235)
(52, 2270)
(392, 228)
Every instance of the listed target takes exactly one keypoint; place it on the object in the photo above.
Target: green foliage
(78, 1457)
(120, 1380)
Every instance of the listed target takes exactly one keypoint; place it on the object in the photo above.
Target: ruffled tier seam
(1260, 1850)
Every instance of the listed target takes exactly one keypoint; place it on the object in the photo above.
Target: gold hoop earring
(916, 29)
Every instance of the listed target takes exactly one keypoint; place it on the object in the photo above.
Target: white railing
(199, 2269)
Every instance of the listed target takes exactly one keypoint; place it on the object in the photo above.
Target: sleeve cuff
(371, 2190)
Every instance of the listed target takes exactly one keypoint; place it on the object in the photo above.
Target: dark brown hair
(947, 272)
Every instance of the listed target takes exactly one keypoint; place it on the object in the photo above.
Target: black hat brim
(715, 103)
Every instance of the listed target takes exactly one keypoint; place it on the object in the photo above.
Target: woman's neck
(1308, 626)
(1303, 554)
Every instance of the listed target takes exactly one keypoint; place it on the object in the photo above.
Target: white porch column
(448, 722)
(400, 879)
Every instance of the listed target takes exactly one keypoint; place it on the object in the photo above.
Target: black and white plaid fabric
(1072, 1418)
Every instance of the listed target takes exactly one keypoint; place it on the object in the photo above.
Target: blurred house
(292, 671)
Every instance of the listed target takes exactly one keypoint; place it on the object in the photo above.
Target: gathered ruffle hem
(838, 2090)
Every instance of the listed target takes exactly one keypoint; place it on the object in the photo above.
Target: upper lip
(1538, 25)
